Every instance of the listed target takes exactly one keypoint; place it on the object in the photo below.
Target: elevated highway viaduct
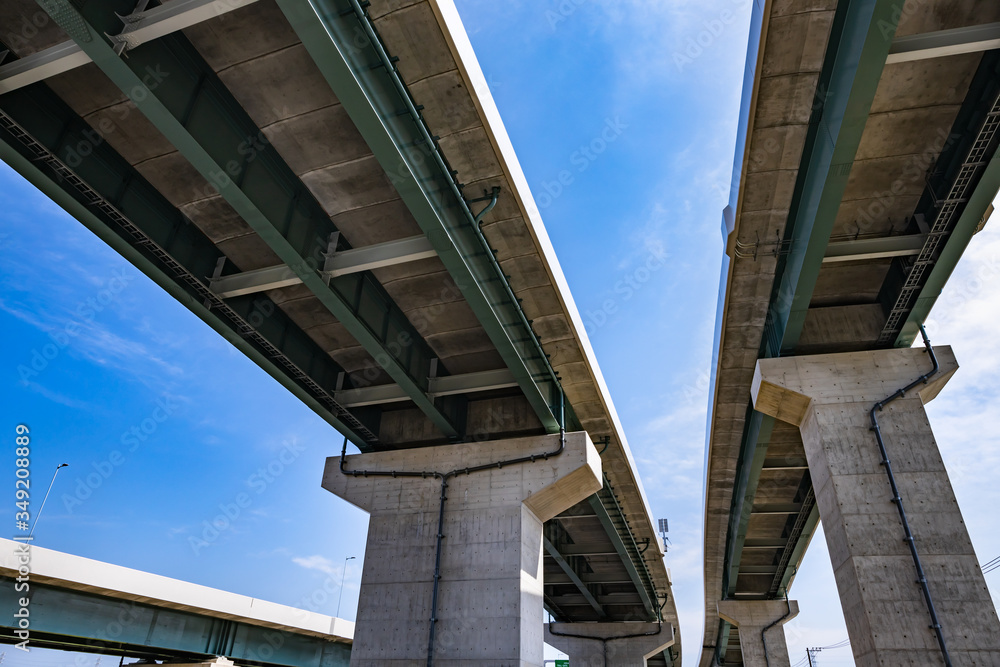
(328, 185)
(865, 163)
(79, 604)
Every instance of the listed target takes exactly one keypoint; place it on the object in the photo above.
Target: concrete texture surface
(829, 397)
(752, 617)
(607, 644)
(490, 605)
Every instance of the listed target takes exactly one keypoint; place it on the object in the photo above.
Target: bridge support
(489, 594)
(609, 644)
(829, 397)
(760, 621)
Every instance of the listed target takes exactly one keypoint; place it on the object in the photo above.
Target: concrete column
(490, 598)
(751, 617)
(609, 644)
(829, 398)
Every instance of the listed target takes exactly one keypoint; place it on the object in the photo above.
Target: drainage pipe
(921, 577)
(763, 639)
(444, 477)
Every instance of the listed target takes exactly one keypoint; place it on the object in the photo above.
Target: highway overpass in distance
(79, 604)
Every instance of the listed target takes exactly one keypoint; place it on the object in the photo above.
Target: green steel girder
(182, 97)
(77, 621)
(946, 262)
(339, 37)
(163, 244)
(757, 435)
(861, 37)
(799, 550)
(612, 518)
(973, 119)
(561, 561)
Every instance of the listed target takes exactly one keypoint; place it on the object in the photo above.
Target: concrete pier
(752, 617)
(829, 398)
(607, 644)
(490, 603)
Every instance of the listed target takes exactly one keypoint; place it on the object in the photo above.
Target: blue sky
(196, 424)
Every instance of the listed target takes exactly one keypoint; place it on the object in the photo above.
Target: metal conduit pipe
(763, 639)
(921, 577)
(444, 477)
(492, 197)
(390, 67)
(604, 640)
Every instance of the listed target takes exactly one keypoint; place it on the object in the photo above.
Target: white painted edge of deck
(63, 570)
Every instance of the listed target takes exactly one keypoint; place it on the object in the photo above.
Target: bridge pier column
(829, 398)
(609, 644)
(752, 617)
(489, 595)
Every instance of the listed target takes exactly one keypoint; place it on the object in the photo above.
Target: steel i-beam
(861, 50)
(128, 214)
(203, 122)
(384, 114)
(943, 43)
(140, 28)
(338, 264)
(574, 577)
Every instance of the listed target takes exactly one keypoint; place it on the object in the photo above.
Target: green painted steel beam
(722, 642)
(958, 241)
(163, 231)
(855, 63)
(799, 551)
(759, 428)
(349, 58)
(574, 577)
(183, 99)
(73, 620)
(862, 36)
(863, 32)
(628, 552)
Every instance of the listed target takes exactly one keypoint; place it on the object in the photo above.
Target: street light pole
(342, 579)
(35, 524)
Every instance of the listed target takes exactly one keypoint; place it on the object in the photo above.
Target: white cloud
(318, 563)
